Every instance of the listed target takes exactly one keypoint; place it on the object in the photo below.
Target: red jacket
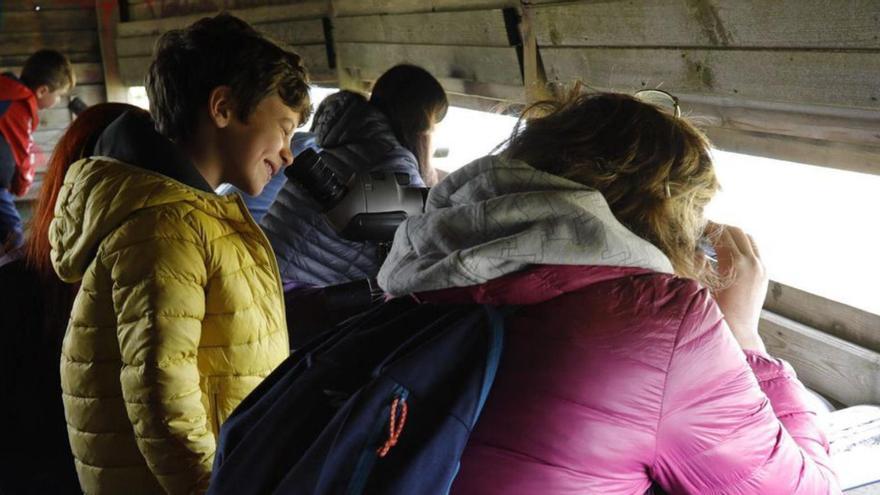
(616, 379)
(18, 120)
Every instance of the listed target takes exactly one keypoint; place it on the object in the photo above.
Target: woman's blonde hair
(654, 169)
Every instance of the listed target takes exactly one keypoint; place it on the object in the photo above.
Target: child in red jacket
(46, 76)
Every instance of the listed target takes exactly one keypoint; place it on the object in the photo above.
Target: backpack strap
(496, 344)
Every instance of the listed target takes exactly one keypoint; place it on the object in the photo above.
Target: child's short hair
(216, 51)
(48, 67)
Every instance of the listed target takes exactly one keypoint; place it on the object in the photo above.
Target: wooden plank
(846, 322)
(802, 77)
(133, 70)
(370, 7)
(89, 93)
(75, 57)
(284, 32)
(833, 367)
(744, 23)
(57, 117)
(63, 41)
(479, 64)
(477, 28)
(47, 20)
(838, 124)
(155, 9)
(108, 25)
(30, 5)
(46, 138)
(310, 9)
(85, 73)
(843, 156)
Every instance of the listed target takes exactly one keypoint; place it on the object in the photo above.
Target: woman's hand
(741, 302)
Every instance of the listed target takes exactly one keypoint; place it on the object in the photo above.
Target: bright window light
(816, 227)
(468, 135)
(137, 95)
(317, 94)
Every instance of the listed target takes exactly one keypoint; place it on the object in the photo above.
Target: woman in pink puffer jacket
(631, 362)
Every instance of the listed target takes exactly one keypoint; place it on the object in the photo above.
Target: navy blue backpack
(383, 403)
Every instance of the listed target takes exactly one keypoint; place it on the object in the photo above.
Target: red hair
(77, 142)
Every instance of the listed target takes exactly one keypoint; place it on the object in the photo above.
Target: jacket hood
(13, 89)
(495, 217)
(356, 136)
(100, 193)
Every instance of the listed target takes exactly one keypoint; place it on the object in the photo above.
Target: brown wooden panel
(311, 9)
(135, 45)
(369, 7)
(837, 124)
(480, 64)
(851, 324)
(89, 93)
(833, 367)
(47, 20)
(57, 117)
(19, 5)
(479, 28)
(64, 41)
(843, 156)
(46, 138)
(802, 77)
(76, 57)
(85, 73)
(155, 9)
(133, 70)
(743, 23)
(288, 33)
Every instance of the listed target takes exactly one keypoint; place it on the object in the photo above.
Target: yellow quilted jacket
(179, 316)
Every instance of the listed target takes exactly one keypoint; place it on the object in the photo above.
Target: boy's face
(47, 98)
(255, 150)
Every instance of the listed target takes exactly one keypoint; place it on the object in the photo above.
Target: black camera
(362, 206)
(77, 105)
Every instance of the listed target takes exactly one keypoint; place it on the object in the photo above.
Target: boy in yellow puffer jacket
(180, 312)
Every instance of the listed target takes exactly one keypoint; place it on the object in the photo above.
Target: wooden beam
(63, 41)
(85, 73)
(801, 77)
(370, 7)
(133, 70)
(30, 5)
(287, 33)
(76, 58)
(826, 123)
(534, 76)
(311, 9)
(46, 20)
(843, 156)
(699, 23)
(477, 28)
(479, 64)
(107, 12)
(139, 10)
(54, 118)
(834, 318)
(833, 367)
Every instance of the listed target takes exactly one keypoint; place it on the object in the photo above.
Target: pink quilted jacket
(619, 381)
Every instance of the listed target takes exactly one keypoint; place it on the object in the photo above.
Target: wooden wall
(69, 26)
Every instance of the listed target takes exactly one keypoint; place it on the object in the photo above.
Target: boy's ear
(220, 106)
(42, 90)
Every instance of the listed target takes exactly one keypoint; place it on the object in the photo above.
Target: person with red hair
(34, 311)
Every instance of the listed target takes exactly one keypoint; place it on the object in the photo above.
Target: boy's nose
(286, 156)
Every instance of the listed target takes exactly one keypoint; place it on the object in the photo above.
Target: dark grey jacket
(353, 136)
